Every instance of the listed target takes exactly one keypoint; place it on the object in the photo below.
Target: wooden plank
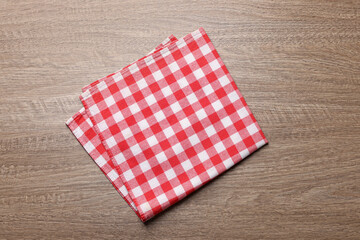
(296, 62)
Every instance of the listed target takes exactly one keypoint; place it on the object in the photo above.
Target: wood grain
(296, 62)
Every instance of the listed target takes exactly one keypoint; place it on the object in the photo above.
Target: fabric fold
(166, 124)
(82, 128)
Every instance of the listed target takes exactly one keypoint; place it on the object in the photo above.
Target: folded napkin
(83, 130)
(166, 124)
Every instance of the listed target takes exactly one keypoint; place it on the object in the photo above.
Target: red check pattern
(83, 130)
(170, 123)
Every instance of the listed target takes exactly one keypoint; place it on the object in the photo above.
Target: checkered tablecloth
(166, 124)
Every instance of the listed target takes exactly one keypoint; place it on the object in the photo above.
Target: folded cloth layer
(169, 123)
(82, 128)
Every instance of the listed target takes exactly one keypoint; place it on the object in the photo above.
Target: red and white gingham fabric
(82, 128)
(169, 123)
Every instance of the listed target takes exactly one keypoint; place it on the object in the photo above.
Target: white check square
(158, 75)
(174, 67)
(212, 172)
(199, 73)
(175, 107)
(210, 130)
(145, 166)
(226, 121)
(205, 49)
(110, 101)
(260, 144)
(236, 138)
(133, 69)
(169, 132)
(233, 96)
(208, 89)
(192, 98)
(243, 113)
(134, 108)
(203, 156)
(162, 198)
(102, 126)
(183, 82)
(219, 147)
(145, 207)
(100, 161)
(135, 149)
(179, 190)
(195, 181)
(150, 99)
(166, 91)
(119, 158)
(78, 132)
(228, 163)
(89, 147)
(161, 157)
(111, 142)
(118, 117)
(153, 183)
(185, 123)
(125, 92)
(143, 124)
(152, 141)
(129, 175)
(126, 133)
(94, 110)
(170, 174)
(201, 114)
(194, 139)
(252, 129)
(113, 175)
(187, 165)
(189, 58)
(217, 105)
(244, 153)
(224, 80)
(137, 191)
(177, 148)
(142, 83)
(159, 116)
(215, 65)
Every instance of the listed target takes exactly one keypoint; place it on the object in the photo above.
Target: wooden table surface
(297, 63)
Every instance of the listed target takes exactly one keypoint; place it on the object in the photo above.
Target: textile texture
(166, 124)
